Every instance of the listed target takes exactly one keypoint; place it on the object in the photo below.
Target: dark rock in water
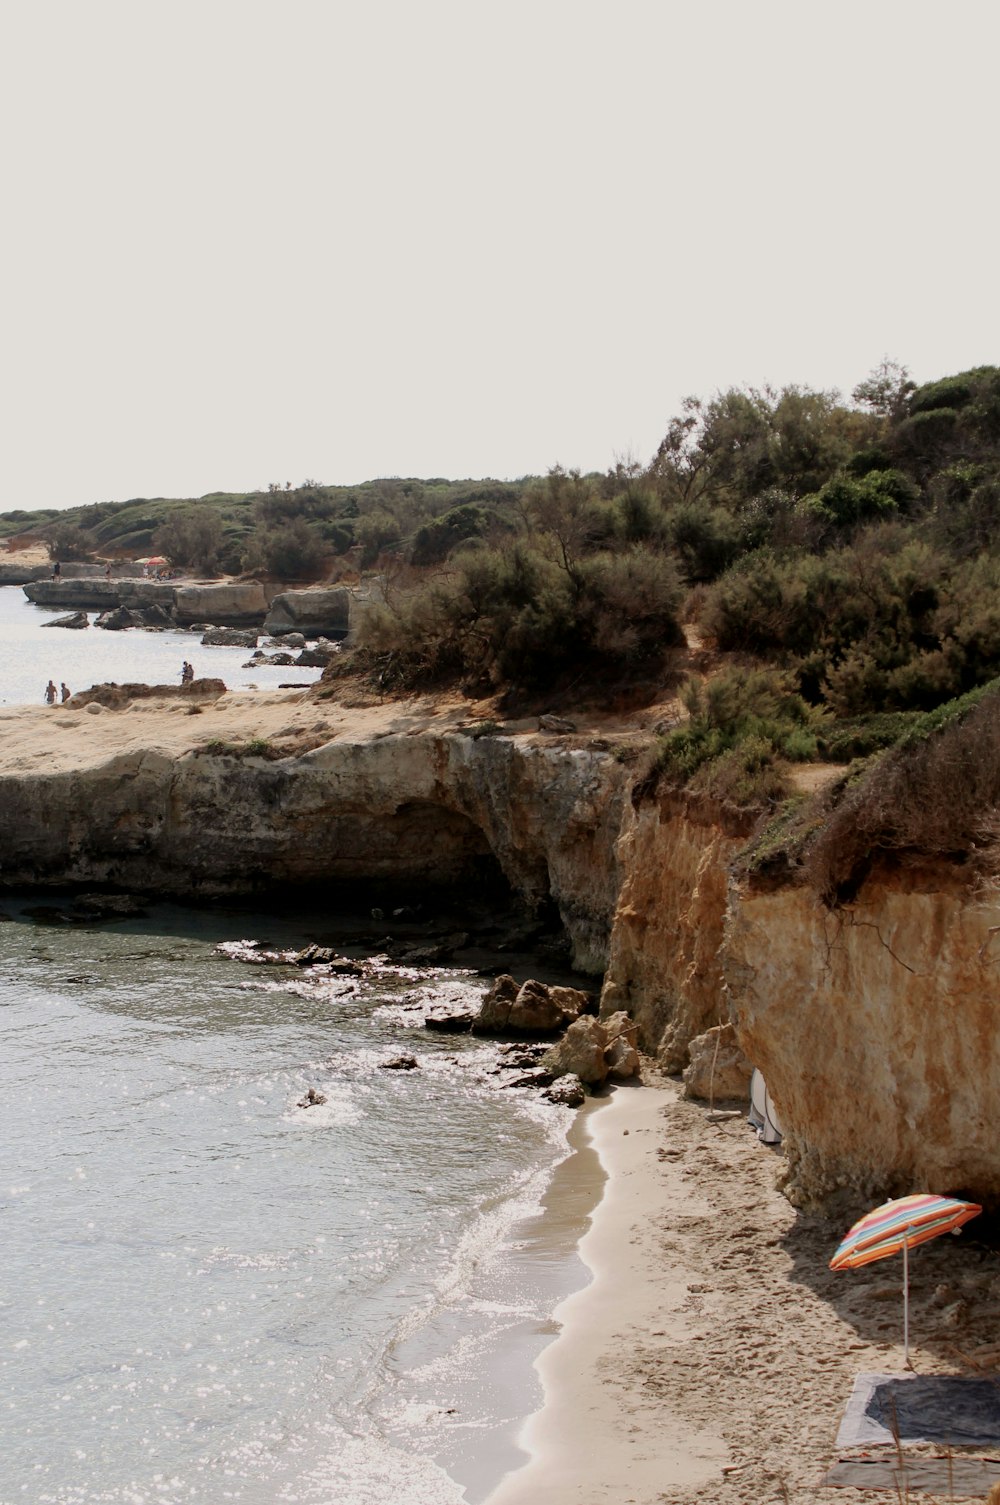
(537, 1077)
(315, 658)
(434, 951)
(400, 1063)
(323, 956)
(120, 619)
(110, 906)
(47, 914)
(519, 1057)
(75, 619)
(312, 1099)
(229, 637)
(567, 1092)
(155, 616)
(449, 1024)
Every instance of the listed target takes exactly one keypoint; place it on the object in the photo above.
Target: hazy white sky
(262, 240)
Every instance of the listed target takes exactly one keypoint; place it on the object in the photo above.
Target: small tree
(67, 541)
(191, 537)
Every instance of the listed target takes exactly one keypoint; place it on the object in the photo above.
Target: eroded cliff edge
(872, 1014)
(414, 809)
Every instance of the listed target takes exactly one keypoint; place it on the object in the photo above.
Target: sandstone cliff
(875, 1026)
(665, 962)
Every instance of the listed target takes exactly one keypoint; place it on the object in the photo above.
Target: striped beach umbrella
(901, 1225)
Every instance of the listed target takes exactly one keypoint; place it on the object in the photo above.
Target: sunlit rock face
(665, 965)
(876, 1029)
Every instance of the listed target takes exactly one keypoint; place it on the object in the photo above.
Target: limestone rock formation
(717, 1068)
(228, 637)
(230, 604)
(118, 696)
(431, 809)
(320, 611)
(875, 1029)
(580, 1051)
(12, 573)
(665, 966)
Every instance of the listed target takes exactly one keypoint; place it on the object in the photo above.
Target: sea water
(208, 1292)
(32, 653)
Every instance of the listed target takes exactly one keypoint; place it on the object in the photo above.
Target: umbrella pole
(906, 1302)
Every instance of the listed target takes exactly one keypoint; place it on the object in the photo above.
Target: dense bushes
(744, 726)
(887, 623)
(514, 616)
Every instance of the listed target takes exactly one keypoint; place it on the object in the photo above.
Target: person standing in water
(65, 691)
(51, 693)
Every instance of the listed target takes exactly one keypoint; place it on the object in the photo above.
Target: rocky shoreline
(868, 1021)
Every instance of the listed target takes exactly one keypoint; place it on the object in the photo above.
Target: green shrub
(745, 726)
(705, 539)
(846, 500)
(844, 740)
(295, 550)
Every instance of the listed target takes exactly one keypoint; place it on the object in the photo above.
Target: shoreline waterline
(589, 1435)
(546, 1247)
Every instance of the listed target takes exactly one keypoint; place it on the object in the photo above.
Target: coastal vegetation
(835, 560)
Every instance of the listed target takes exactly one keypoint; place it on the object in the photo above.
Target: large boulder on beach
(717, 1068)
(321, 610)
(580, 1051)
(567, 1092)
(622, 1060)
(317, 658)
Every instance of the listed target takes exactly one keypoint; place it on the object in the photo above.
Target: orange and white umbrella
(901, 1225)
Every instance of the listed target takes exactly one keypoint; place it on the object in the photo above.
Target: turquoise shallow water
(209, 1293)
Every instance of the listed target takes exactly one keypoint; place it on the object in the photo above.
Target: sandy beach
(712, 1355)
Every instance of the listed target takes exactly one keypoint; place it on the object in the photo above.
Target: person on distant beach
(187, 673)
(51, 693)
(65, 691)
(56, 570)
